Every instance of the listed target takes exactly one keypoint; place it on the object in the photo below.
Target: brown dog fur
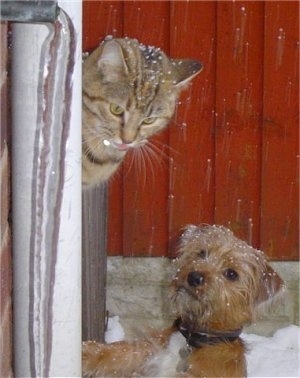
(219, 283)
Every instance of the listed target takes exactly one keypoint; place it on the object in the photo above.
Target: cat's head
(130, 92)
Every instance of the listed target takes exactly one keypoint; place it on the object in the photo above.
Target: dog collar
(200, 338)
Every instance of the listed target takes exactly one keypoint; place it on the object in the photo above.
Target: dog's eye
(202, 254)
(231, 274)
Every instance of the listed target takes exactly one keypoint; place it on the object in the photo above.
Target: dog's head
(220, 279)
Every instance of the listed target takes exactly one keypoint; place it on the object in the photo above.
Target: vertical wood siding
(230, 156)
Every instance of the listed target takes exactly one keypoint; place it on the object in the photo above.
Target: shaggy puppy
(219, 283)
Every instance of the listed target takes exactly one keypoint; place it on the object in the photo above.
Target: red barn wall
(230, 156)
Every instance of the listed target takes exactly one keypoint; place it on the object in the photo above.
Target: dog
(219, 283)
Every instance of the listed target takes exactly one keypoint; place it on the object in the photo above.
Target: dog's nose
(195, 278)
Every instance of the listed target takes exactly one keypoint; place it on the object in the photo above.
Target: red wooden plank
(238, 116)
(146, 182)
(191, 196)
(101, 18)
(148, 21)
(280, 206)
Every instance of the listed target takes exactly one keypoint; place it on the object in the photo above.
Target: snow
(114, 331)
(276, 356)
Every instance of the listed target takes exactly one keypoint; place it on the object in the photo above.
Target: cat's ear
(186, 70)
(111, 62)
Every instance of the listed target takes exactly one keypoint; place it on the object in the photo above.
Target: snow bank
(276, 356)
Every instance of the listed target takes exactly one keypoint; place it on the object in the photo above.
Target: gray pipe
(29, 11)
(46, 195)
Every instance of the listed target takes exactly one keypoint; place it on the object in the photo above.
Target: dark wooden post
(94, 231)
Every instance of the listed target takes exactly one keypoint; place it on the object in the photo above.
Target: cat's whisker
(160, 154)
(129, 162)
(90, 147)
(90, 139)
(146, 153)
(135, 160)
(154, 159)
(144, 167)
(160, 157)
(164, 146)
(140, 160)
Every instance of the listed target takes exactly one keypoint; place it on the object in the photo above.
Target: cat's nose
(128, 135)
(195, 279)
(127, 140)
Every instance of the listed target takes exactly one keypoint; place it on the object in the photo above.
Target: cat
(129, 94)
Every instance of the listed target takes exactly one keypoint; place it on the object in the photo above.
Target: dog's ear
(174, 243)
(180, 237)
(270, 284)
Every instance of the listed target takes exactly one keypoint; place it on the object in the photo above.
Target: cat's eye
(149, 120)
(116, 109)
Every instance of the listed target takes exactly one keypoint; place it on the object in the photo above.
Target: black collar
(200, 338)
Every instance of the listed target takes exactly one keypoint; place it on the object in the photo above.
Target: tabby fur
(129, 94)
